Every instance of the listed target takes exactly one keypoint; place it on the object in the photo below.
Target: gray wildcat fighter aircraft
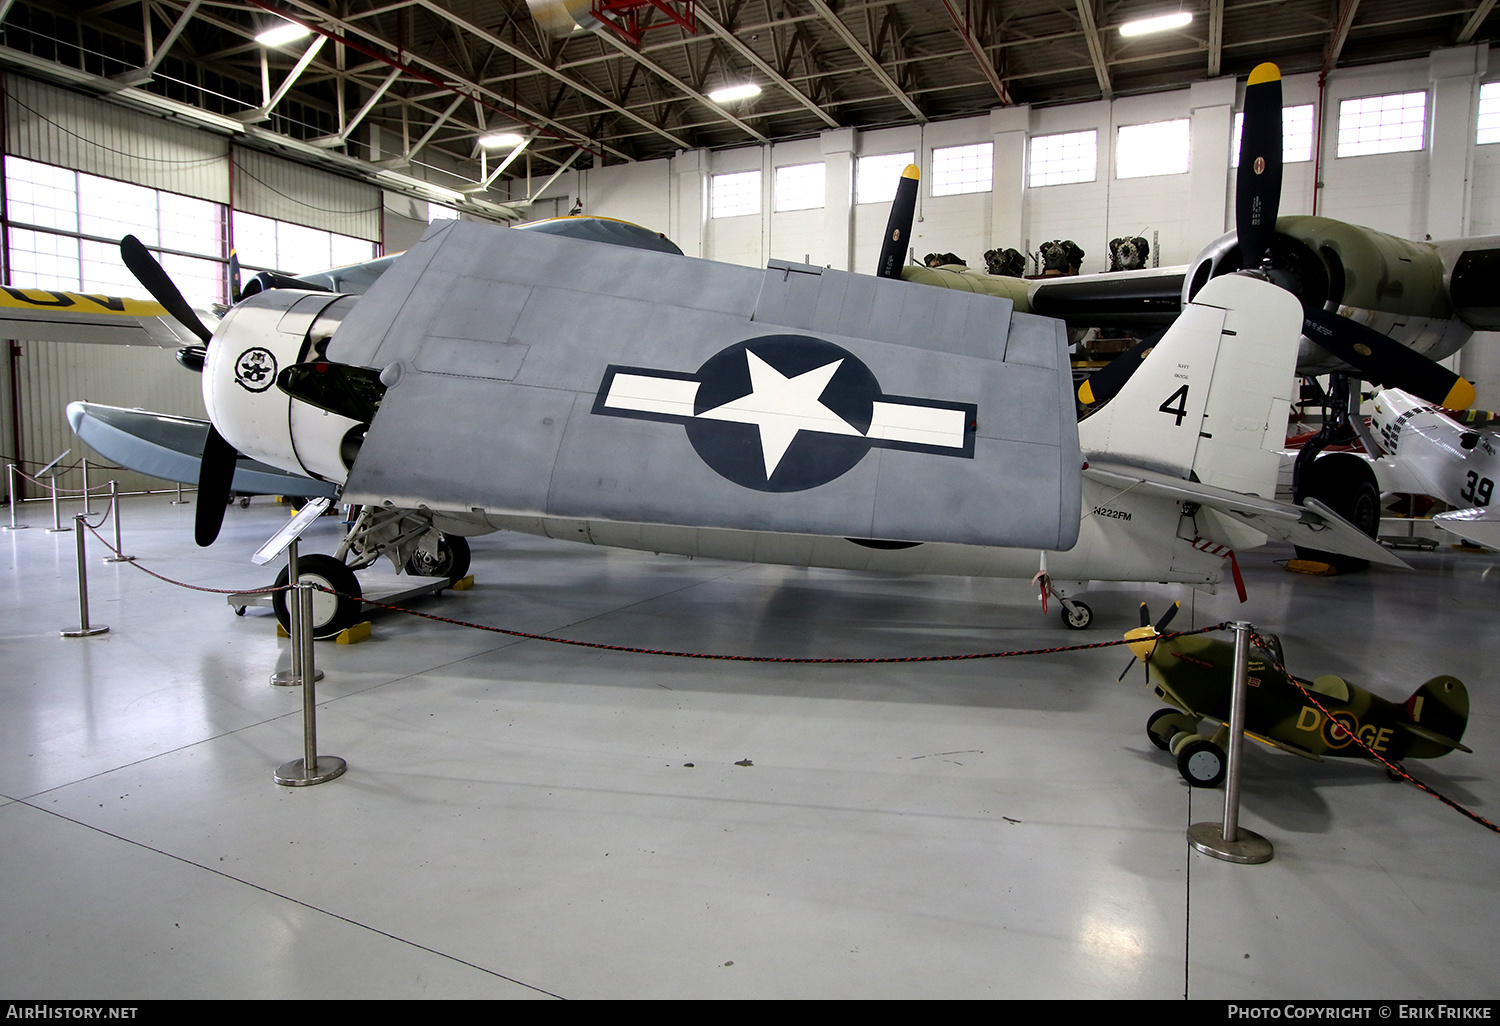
(501, 379)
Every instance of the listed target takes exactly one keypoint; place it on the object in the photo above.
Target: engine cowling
(1393, 285)
(264, 344)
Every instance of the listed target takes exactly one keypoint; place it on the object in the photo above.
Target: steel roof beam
(842, 31)
(1096, 46)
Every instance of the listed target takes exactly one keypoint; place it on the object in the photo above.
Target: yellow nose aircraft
(1322, 718)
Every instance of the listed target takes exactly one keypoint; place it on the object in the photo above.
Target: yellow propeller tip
(912, 171)
(1460, 397)
(1085, 394)
(1266, 72)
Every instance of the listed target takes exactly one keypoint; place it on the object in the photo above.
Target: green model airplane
(1195, 674)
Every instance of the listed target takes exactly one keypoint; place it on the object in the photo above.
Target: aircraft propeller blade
(155, 281)
(1145, 616)
(898, 225)
(1258, 183)
(215, 476)
(1100, 387)
(1384, 361)
(1166, 617)
(234, 276)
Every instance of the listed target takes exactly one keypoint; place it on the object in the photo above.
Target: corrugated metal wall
(272, 187)
(55, 126)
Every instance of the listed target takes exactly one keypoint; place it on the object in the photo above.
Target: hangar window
(265, 244)
(1382, 124)
(876, 177)
(734, 194)
(65, 226)
(800, 186)
(1489, 113)
(957, 169)
(1157, 148)
(1296, 135)
(1064, 159)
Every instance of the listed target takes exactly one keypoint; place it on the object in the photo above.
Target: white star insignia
(781, 407)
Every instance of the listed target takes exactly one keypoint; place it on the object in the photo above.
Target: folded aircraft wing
(40, 315)
(171, 448)
(1313, 525)
(529, 374)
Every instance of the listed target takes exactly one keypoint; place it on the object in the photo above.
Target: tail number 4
(1179, 410)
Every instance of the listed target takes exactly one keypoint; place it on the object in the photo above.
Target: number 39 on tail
(1323, 718)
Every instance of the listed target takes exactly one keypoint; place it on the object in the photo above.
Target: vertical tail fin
(1440, 711)
(1210, 401)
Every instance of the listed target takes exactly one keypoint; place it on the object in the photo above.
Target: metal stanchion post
(85, 464)
(57, 527)
(311, 768)
(84, 630)
(14, 499)
(1230, 841)
(179, 501)
(114, 511)
(293, 677)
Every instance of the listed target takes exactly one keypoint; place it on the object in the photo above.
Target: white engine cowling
(256, 342)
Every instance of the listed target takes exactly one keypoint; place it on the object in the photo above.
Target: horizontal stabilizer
(171, 448)
(1478, 525)
(1433, 736)
(1313, 525)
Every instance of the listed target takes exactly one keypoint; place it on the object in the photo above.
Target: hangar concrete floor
(522, 819)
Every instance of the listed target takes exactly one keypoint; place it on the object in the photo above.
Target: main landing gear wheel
(1078, 618)
(331, 613)
(1345, 484)
(451, 561)
(1165, 724)
(1201, 762)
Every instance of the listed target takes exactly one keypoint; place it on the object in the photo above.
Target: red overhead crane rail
(624, 17)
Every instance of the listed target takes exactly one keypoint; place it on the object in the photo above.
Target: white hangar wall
(1448, 189)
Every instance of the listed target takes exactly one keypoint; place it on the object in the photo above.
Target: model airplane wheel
(1078, 618)
(1166, 724)
(331, 613)
(451, 561)
(1346, 484)
(1201, 763)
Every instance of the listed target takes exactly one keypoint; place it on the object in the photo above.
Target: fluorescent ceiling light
(497, 139)
(1143, 26)
(279, 35)
(731, 93)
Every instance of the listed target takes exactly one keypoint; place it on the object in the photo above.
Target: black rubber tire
(1080, 620)
(452, 559)
(1165, 743)
(331, 613)
(1345, 484)
(1201, 763)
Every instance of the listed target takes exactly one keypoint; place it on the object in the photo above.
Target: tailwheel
(331, 613)
(1078, 618)
(1201, 762)
(1165, 724)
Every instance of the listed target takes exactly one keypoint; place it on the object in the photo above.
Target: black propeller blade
(149, 273)
(898, 225)
(1158, 627)
(215, 477)
(1258, 184)
(234, 276)
(216, 468)
(1384, 361)
(1102, 385)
